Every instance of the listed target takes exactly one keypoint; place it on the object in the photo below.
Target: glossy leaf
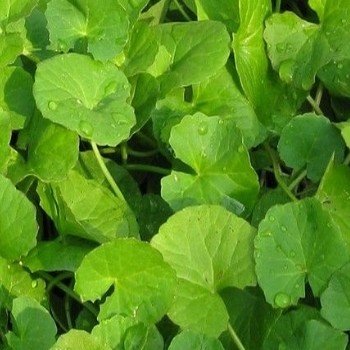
(220, 162)
(194, 341)
(94, 105)
(295, 242)
(146, 298)
(18, 226)
(5, 137)
(204, 244)
(310, 141)
(26, 312)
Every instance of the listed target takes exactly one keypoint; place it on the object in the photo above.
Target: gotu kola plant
(174, 174)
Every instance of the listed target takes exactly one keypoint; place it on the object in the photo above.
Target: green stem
(278, 6)
(347, 159)
(314, 105)
(67, 290)
(277, 172)
(106, 172)
(235, 337)
(67, 308)
(319, 94)
(297, 180)
(183, 12)
(146, 139)
(124, 152)
(144, 154)
(148, 168)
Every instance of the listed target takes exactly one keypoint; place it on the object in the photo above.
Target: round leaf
(210, 249)
(295, 242)
(85, 96)
(223, 173)
(310, 141)
(194, 341)
(143, 283)
(18, 226)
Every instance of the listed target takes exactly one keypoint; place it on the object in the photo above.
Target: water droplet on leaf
(280, 47)
(292, 254)
(284, 228)
(34, 284)
(272, 218)
(241, 149)
(85, 128)
(110, 88)
(52, 105)
(203, 129)
(282, 300)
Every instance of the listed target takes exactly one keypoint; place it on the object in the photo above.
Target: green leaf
(11, 46)
(204, 245)
(295, 242)
(318, 6)
(85, 96)
(310, 141)
(18, 226)
(16, 96)
(197, 50)
(13, 10)
(52, 150)
(57, 255)
(86, 209)
(15, 281)
(5, 137)
(143, 283)
(345, 131)
(103, 29)
(141, 50)
(144, 338)
(112, 330)
(79, 340)
(334, 194)
(188, 340)
(34, 329)
(335, 300)
(220, 161)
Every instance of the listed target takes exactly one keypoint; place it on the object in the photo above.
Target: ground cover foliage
(174, 174)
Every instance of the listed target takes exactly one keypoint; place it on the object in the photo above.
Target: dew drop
(280, 47)
(110, 88)
(257, 254)
(176, 179)
(203, 129)
(292, 254)
(266, 234)
(9, 267)
(284, 228)
(79, 102)
(282, 300)
(241, 149)
(52, 105)
(221, 121)
(204, 154)
(340, 66)
(297, 285)
(343, 21)
(272, 218)
(224, 169)
(85, 128)
(34, 284)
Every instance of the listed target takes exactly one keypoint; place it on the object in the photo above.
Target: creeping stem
(106, 172)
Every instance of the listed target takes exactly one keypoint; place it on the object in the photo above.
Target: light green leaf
(103, 29)
(335, 300)
(85, 96)
(310, 141)
(5, 137)
(11, 46)
(205, 245)
(334, 194)
(18, 226)
(188, 340)
(318, 6)
(52, 150)
(34, 329)
(143, 337)
(198, 50)
(57, 255)
(345, 131)
(16, 96)
(225, 11)
(295, 242)
(13, 10)
(286, 35)
(221, 165)
(141, 50)
(112, 330)
(79, 340)
(86, 209)
(15, 281)
(143, 283)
